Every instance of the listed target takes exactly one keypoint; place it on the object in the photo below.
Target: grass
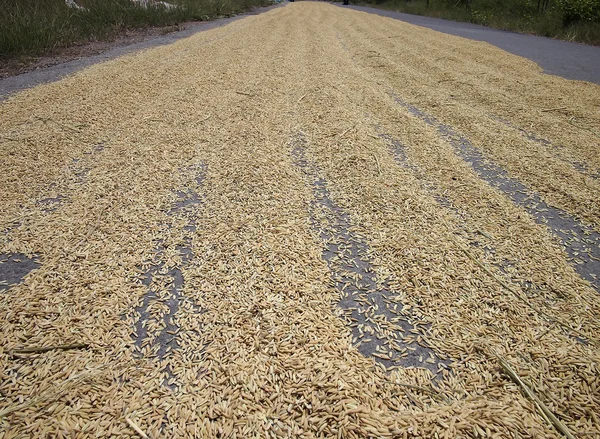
(37, 27)
(514, 15)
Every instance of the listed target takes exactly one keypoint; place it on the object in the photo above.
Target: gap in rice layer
(163, 338)
(380, 327)
(50, 204)
(14, 267)
(581, 242)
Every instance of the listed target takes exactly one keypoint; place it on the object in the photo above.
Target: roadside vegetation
(34, 27)
(572, 20)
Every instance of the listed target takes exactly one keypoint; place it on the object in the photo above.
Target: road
(312, 222)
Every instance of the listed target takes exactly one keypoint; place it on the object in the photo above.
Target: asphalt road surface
(312, 222)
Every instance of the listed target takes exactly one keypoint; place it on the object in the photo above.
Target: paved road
(312, 222)
(562, 58)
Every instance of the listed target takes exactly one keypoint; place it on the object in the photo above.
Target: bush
(579, 10)
(480, 17)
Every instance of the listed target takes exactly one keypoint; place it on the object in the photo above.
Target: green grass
(514, 15)
(36, 27)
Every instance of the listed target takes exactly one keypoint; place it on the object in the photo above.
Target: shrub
(579, 10)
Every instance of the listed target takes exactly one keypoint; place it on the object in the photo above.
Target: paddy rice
(262, 347)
